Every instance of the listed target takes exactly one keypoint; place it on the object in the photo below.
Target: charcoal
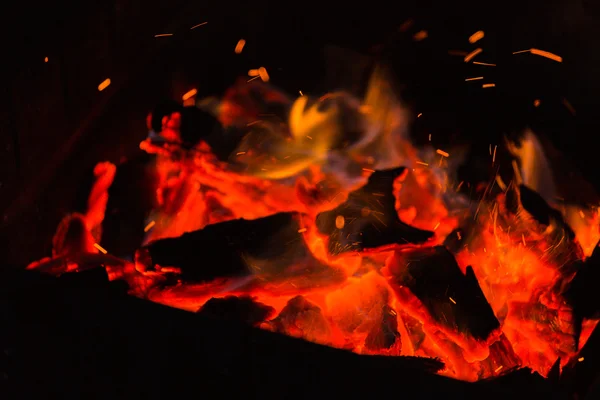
(583, 370)
(370, 218)
(301, 318)
(223, 249)
(582, 292)
(523, 378)
(130, 200)
(554, 373)
(537, 207)
(385, 333)
(502, 358)
(243, 309)
(452, 298)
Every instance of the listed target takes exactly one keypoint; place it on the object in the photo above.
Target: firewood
(370, 218)
(224, 249)
(452, 299)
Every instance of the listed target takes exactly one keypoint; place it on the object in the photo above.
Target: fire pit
(308, 236)
(326, 224)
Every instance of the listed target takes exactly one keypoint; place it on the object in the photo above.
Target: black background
(56, 125)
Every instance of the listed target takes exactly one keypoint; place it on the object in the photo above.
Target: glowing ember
(478, 285)
(476, 36)
(105, 83)
(240, 46)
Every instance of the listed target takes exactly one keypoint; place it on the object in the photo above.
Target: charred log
(583, 370)
(370, 218)
(384, 334)
(243, 309)
(582, 292)
(224, 249)
(452, 298)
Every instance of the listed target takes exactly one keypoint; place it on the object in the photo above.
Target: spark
(422, 163)
(458, 235)
(240, 153)
(100, 248)
(105, 83)
(536, 103)
(340, 221)
(300, 91)
(523, 239)
(45, 59)
(483, 63)
(498, 369)
(518, 177)
(251, 79)
(149, 226)
(239, 46)
(494, 156)
(488, 85)
(476, 36)
(500, 183)
(580, 359)
(459, 185)
(309, 137)
(419, 115)
(546, 54)
(477, 78)
(473, 54)
(436, 226)
(264, 76)
(442, 153)
(302, 230)
(200, 24)
(430, 137)
(452, 300)
(368, 170)
(581, 214)
(189, 94)
(542, 53)
(420, 36)
(163, 35)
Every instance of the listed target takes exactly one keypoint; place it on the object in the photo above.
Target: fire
(477, 285)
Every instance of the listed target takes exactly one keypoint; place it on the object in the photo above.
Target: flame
(306, 157)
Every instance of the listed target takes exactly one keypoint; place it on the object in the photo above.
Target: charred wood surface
(83, 338)
(241, 309)
(370, 218)
(582, 372)
(452, 298)
(225, 248)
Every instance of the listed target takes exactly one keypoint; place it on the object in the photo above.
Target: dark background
(55, 125)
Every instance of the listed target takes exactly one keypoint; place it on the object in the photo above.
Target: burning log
(535, 215)
(232, 247)
(243, 308)
(582, 293)
(369, 218)
(451, 298)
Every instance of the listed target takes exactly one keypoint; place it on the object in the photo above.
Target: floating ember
(326, 224)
